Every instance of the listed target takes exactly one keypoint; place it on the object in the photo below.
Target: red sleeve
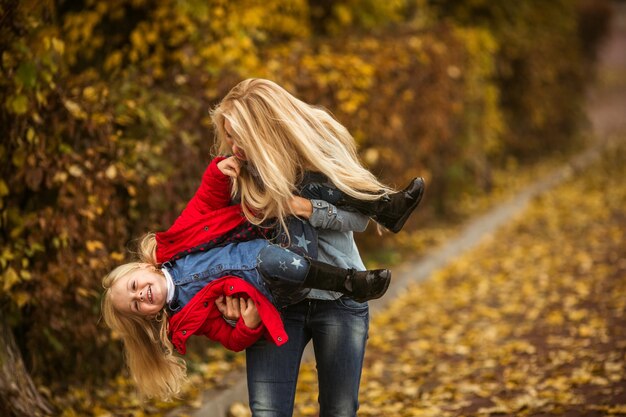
(233, 338)
(214, 191)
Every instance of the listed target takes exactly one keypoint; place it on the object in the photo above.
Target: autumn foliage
(105, 129)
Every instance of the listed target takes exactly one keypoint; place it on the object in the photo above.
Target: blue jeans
(339, 330)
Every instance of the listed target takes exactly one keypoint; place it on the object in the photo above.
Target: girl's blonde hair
(283, 137)
(149, 352)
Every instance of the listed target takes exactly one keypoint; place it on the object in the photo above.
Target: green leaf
(19, 157)
(27, 74)
(10, 278)
(4, 188)
(18, 104)
(8, 60)
(56, 344)
(21, 298)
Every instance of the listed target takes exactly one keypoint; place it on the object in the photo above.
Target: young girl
(203, 257)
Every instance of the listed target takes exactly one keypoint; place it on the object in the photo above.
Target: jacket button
(196, 277)
(206, 304)
(184, 332)
(280, 339)
(206, 228)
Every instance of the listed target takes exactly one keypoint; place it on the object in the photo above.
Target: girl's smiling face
(142, 292)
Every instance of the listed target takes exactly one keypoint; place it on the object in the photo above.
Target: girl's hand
(249, 313)
(229, 307)
(229, 166)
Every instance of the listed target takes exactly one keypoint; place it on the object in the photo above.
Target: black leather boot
(360, 285)
(391, 210)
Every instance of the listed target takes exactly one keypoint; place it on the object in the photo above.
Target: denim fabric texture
(339, 330)
(244, 259)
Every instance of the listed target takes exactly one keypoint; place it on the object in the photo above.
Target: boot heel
(414, 191)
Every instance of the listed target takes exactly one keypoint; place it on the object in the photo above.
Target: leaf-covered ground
(531, 323)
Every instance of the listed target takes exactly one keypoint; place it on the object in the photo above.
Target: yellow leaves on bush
(9, 279)
(4, 188)
(75, 171)
(117, 256)
(94, 245)
(18, 104)
(111, 172)
(75, 109)
(358, 14)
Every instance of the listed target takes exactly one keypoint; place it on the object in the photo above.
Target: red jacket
(209, 216)
(201, 317)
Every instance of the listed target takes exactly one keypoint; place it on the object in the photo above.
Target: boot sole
(400, 223)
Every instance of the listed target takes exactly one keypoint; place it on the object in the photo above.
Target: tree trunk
(18, 394)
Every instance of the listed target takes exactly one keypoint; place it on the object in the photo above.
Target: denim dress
(193, 272)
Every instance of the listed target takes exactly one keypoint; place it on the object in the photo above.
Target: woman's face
(142, 292)
(237, 151)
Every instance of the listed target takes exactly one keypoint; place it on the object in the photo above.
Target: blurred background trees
(105, 127)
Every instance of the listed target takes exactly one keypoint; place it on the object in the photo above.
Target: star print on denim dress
(284, 271)
(303, 237)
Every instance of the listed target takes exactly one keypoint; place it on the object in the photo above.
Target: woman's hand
(249, 313)
(301, 206)
(229, 166)
(229, 307)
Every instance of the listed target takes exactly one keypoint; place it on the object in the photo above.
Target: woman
(290, 147)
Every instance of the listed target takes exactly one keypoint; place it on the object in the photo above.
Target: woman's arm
(324, 215)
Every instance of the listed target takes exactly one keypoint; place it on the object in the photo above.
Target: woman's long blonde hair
(282, 138)
(149, 352)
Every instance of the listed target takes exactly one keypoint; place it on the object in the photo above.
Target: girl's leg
(390, 211)
(285, 271)
(316, 186)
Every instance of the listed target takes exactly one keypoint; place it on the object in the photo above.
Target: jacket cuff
(322, 211)
(241, 326)
(214, 171)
